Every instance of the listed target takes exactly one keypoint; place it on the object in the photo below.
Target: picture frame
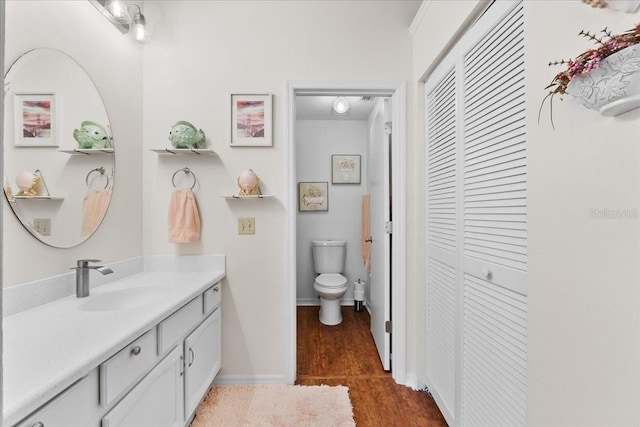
(345, 169)
(313, 196)
(251, 120)
(35, 120)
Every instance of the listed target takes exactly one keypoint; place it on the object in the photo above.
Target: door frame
(398, 92)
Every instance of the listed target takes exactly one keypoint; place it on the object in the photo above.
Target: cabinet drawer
(126, 366)
(175, 327)
(212, 298)
(77, 406)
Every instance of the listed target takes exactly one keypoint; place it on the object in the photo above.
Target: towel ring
(186, 171)
(100, 170)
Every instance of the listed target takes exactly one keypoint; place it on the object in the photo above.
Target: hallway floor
(346, 355)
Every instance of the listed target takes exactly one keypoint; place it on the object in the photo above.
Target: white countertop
(49, 347)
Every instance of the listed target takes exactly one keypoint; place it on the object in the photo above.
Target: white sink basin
(124, 299)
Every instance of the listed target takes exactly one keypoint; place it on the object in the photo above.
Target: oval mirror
(59, 161)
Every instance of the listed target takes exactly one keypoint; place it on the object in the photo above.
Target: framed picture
(345, 169)
(251, 120)
(35, 119)
(313, 196)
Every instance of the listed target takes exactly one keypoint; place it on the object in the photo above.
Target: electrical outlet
(246, 226)
(42, 226)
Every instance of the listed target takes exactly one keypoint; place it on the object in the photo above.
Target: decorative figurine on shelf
(91, 136)
(28, 184)
(249, 183)
(184, 135)
(7, 190)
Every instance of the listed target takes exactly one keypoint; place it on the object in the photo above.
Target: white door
(476, 342)
(380, 211)
(202, 360)
(157, 401)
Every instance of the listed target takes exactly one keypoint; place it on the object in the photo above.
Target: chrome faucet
(82, 275)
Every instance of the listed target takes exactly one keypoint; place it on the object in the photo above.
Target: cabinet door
(77, 406)
(157, 401)
(202, 360)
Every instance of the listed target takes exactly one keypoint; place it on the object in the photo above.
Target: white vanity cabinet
(189, 341)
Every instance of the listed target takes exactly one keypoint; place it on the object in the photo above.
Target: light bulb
(116, 9)
(139, 30)
(341, 105)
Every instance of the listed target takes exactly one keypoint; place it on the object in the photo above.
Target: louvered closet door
(442, 236)
(476, 342)
(494, 253)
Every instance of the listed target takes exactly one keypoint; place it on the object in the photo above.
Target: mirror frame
(111, 178)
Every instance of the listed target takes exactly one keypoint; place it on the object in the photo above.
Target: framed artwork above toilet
(345, 169)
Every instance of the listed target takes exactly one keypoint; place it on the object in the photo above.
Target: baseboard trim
(412, 381)
(314, 302)
(257, 379)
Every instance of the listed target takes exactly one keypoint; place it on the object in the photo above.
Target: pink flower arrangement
(589, 60)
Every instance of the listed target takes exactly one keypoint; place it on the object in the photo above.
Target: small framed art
(345, 169)
(35, 119)
(251, 120)
(313, 196)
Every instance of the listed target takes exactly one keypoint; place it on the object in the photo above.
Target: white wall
(584, 326)
(316, 141)
(114, 62)
(584, 322)
(203, 51)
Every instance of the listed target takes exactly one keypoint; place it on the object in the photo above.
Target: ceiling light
(341, 105)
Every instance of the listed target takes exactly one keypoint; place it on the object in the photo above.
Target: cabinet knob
(38, 424)
(487, 273)
(136, 350)
(216, 289)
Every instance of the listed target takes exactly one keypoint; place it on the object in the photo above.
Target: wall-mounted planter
(614, 87)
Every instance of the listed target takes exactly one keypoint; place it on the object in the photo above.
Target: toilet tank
(329, 256)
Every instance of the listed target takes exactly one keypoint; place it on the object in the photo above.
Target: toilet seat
(331, 280)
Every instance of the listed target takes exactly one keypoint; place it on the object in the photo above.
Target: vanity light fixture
(139, 25)
(341, 105)
(117, 12)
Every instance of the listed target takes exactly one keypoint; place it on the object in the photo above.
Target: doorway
(395, 301)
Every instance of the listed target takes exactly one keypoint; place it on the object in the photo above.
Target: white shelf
(258, 196)
(89, 151)
(189, 151)
(38, 198)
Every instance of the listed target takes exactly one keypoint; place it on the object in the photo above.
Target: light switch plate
(42, 226)
(246, 226)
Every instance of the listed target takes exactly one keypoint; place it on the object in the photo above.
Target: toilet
(328, 262)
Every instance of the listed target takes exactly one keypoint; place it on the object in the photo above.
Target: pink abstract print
(250, 119)
(36, 119)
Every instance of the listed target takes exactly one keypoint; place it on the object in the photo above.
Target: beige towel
(94, 207)
(366, 233)
(184, 218)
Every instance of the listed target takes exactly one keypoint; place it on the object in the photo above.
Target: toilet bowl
(330, 288)
(328, 262)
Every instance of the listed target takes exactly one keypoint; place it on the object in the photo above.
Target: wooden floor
(346, 355)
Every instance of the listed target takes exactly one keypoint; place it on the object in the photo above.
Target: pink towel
(94, 207)
(184, 218)
(366, 233)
